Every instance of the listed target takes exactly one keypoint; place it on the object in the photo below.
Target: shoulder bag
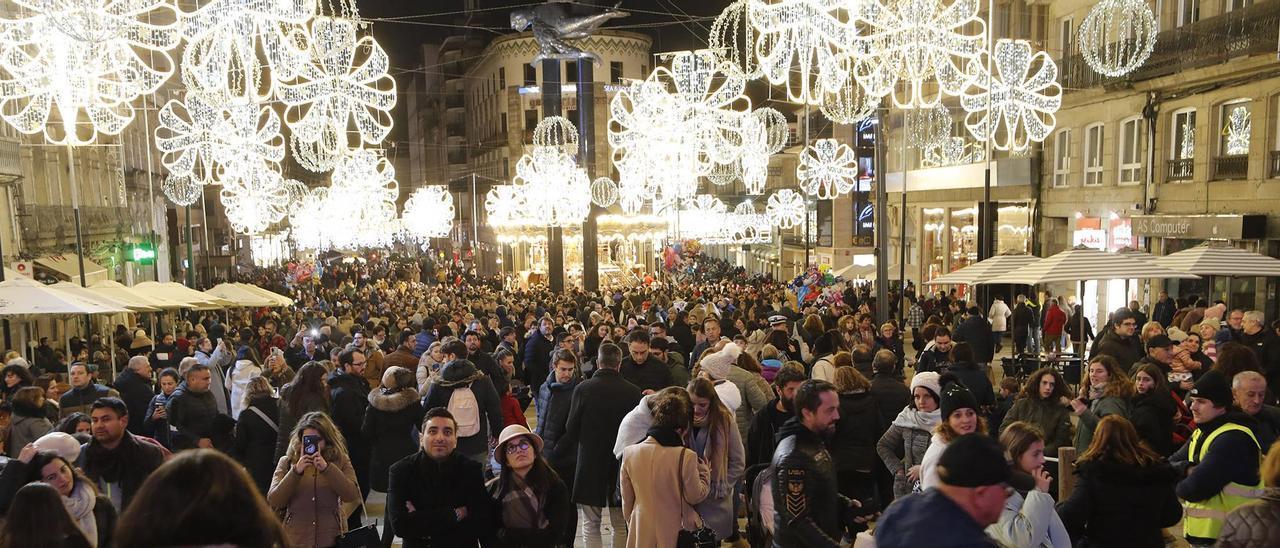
(702, 537)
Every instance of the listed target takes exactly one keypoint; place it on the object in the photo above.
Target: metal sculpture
(554, 27)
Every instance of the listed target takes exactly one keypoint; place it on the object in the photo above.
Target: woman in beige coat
(312, 488)
(661, 479)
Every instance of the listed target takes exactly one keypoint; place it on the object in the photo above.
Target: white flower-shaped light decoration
(952, 151)
(916, 42)
(805, 37)
(428, 213)
(251, 137)
(181, 190)
(1016, 105)
(239, 50)
(785, 208)
(556, 191)
(256, 201)
(849, 103)
(343, 97)
(503, 204)
(604, 192)
(188, 138)
(297, 191)
(827, 169)
(1117, 36)
(72, 69)
(927, 126)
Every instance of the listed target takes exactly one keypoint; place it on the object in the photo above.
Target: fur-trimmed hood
(392, 401)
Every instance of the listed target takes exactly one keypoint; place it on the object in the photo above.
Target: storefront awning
(67, 265)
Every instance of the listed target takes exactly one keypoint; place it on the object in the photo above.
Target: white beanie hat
(61, 443)
(929, 380)
(717, 364)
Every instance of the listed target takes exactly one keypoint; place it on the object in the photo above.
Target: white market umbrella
(24, 298)
(855, 270)
(279, 299)
(1216, 259)
(100, 298)
(238, 296)
(177, 292)
(134, 298)
(988, 268)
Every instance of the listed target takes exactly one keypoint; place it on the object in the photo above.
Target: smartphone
(309, 444)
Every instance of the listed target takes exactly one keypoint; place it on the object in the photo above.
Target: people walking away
(1022, 323)
(312, 483)
(1029, 518)
(959, 417)
(199, 498)
(469, 396)
(1105, 390)
(972, 375)
(809, 510)
(530, 502)
(1079, 339)
(999, 314)
(977, 332)
(905, 442)
(1219, 462)
(974, 479)
(661, 479)
(394, 413)
(1054, 322)
(853, 447)
(436, 497)
(1043, 403)
(1123, 494)
(256, 432)
(1257, 524)
(28, 421)
(116, 460)
(237, 379)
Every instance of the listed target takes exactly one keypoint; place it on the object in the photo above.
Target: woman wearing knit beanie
(910, 433)
(959, 417)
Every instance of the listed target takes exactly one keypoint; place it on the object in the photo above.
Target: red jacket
(511, 412)
(1054, 320)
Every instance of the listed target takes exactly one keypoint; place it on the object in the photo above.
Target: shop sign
(1092, 238)
(1200, 227)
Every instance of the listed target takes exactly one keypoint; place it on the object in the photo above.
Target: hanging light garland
(72, 69)
(210, 143)
(1117, 36)
(239, 50)
(827, 169)
(916, 43)
(1016, 104)
(805, 37)
(428, 213)
(927, 126)
(342, 98)
(785, 208)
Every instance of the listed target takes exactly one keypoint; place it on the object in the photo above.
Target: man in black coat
(554, 399)
(135, 388)
(641, 368)
(436, 497)
(537, 352)
(808, 509)
(1022, 320)
(1120, 342)
(348, 399)
(1164, 310)
(1264, 344)
(937, 357)
(596, 410)
(484, 361)
(194, 413)
(762, 436)
(116, 460)
(976, 331)
(890, 393)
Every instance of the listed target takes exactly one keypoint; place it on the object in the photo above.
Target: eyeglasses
(1128, 324)
(514, 447)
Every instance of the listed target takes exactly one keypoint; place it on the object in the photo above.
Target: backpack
(465, 410)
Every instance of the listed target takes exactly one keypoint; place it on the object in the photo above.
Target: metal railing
(1231, 167)
(1274, 171)
(1180, 170)
(1247, 31)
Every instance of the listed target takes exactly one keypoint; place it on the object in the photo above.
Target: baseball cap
(976, 460)
(1159, 341)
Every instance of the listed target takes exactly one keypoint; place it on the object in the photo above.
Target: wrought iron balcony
(1274, 171)
(1231, 167)
(1180, 170)
(1247, 31)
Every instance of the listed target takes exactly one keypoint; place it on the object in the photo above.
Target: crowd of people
(654, 415)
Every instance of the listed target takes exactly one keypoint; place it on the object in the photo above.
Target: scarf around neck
(80, 506)
(666, 437)
(911, 417)
(1097, 391)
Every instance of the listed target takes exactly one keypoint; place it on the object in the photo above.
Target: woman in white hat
(531, 502)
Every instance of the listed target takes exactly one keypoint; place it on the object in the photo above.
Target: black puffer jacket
(1254, 525)
(808, 508)
(1121, 505)
(193, 415)
(860, 426)
(1152, 415)
(389, 424)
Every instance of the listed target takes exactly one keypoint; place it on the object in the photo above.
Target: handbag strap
(680, 482)
(265, 418)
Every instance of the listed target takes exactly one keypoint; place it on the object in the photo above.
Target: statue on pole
(553, 27)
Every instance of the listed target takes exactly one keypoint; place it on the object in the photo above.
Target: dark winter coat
(557, 508)
(554, 400)
(1152, 415)
(650, 375)
(436, 488)
(976, 331)
(126, 467)
(929, 519)
(26, 425)
(1254, 525)
(136, 392)
(389, 425)
(159, 428)
(811, 515)
(1266, 346)
(256, 440)
(977, 382)
(1121, 505)
(459, 373)
(1126, 350)
(853, 447)
(596, 409)
(762, 436)
(1052, 418)
(78, 400)
(537, 358)
(193, 415)
(348, 398)
(891, 395)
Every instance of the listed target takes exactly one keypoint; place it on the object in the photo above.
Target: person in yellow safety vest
(1220, 461)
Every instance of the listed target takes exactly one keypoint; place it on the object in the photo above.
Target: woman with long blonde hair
(313, 482)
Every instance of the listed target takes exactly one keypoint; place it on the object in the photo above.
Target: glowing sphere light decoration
(1117, 36)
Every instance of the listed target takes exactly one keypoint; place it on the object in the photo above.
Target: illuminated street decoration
(503, 204)
(1236, 130)
(255, 201)
(927, 126)
(604, 192)
(71, 69)
(181, 190)
(916, 43)
(849, 103)
(428, 213)
(239, 50)
(733, 38)
(1015, 105)
(342, 98)
(558, 132)
(804, 37)
(952, 151)
(827, 169)
(209, 144)
(785, 208)
(556, 192)
(1117, 36)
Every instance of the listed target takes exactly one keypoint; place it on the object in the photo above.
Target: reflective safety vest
(1204, 518)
